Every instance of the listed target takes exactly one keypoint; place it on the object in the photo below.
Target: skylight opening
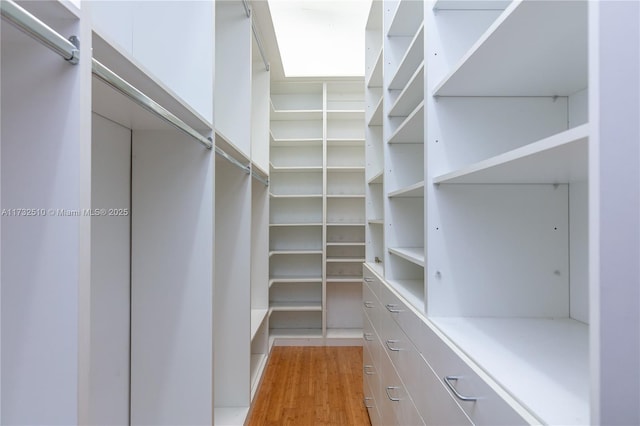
(320, 38)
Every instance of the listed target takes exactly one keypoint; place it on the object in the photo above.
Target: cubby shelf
(345, 259)
(345, 196)
(283, 196)
(560, 158)
(377, 178)
(410, 62)
(345, 244)
(295, 307)
(257, 319)
(280, 142)
(411, 191)
(376, 117)
(293, 252)
(407, 18)
(375, 79)
(412, 254)
(518, 71)
(411, 290)
(344, 333)
(295, 169)
(410, 96)
(293, 279)
(375, 222)
(295, 224)
(345, 169)
(345, 142)
(344, 278)
(295, 115)
(412, 129)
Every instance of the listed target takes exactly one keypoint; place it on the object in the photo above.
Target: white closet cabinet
(491, 199)
(43, 133)
(317, 211)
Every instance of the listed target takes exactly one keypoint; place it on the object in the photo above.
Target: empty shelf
(412, 254)
(415, 191)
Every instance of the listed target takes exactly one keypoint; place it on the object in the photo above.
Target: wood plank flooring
(311, 385)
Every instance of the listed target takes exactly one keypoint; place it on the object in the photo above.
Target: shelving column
(344, 191)
(374, 174)
(403, 131)
(296, 211)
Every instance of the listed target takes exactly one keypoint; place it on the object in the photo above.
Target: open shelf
(412, 191)
(377, 178)
(295, 115)
(471, 4)
(295, 169)
(344, 333)
(376, 117)
(344, 259)
(560, 158)
(410, 62)
(296, 224)
(513, 58)
(289, 333)
(407, 18)
(293, 252)
(345, 169)
(257, 318)
(412, 129)
(279, 142)
(283, 196)
(345, 141)
(411, 290)
(295, 306)
(375, 221)
(411, 95)
(375, 79)
(527, 355)
(294, 279)
(345, 244)
(412, 254)
(344, 278)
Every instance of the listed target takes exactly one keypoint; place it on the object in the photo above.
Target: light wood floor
(311, 385)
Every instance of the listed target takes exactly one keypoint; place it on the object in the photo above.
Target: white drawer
(396, 406)
(370, 278)
(434, 403)
(371, 404)
(371, 306)
(478, 400)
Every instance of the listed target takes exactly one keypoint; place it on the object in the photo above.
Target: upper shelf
(410, 62)
(407, 17)
(534, 48)
(108, 103)
(375, 78)
(471, 4)
(412, 129)
(412, 191)
(560, 158)
(411, 96)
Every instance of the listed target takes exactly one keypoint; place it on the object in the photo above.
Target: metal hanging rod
(259, 178)
(245, 167)
(40, 31)
(115, 81)
(256, 35)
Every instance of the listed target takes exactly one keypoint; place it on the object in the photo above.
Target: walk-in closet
(435, 220)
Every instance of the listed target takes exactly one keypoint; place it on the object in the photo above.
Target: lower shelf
(344, 333)
(543, 363)
(230, 415)
(258, 363)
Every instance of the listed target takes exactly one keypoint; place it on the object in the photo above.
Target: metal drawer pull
(368, 369)
(368, 336)
(389, 342)
(368, 279)
(367, 398)
(387, 389)
(369, 305)
(448, 380)
(392, 308)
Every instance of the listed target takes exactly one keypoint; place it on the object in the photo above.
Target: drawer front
(396, 406)
(371, 405)
(371, 306)
(434, 403)
(370, 278)
(478, 400)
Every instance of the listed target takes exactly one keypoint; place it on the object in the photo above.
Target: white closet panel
(171, 278)
(42, 134)
(110, 273)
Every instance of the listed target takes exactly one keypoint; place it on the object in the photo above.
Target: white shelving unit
(317, 210)
(488, 201)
